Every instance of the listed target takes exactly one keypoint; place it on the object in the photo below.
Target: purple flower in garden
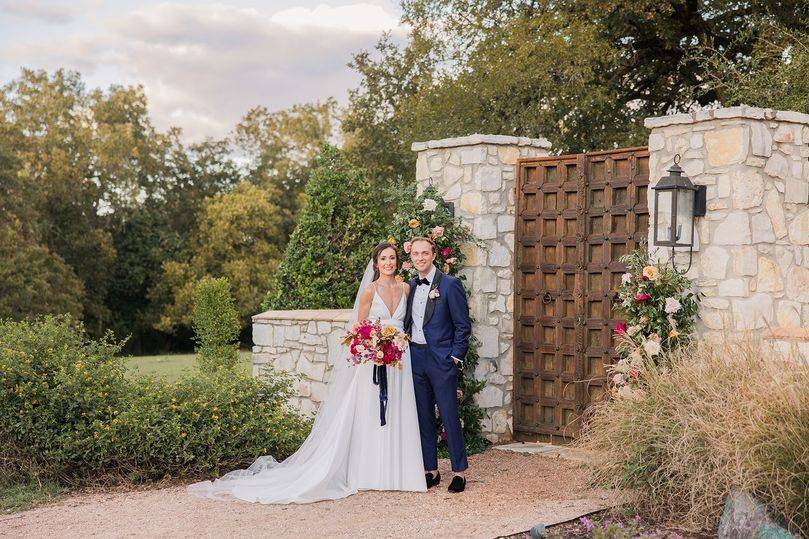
(587, 523)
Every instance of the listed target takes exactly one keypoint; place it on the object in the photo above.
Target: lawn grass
(172, 366)
(14, 498)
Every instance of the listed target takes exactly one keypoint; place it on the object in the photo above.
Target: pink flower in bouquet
(407, 247)
(642, 297)
(437, 232)
(446, 251)
(620, 329)
(365, 331)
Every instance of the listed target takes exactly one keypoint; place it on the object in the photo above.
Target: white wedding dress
(347, 450)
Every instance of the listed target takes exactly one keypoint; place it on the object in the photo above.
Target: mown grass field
(172, 366)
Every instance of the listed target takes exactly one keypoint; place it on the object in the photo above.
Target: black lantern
(677, 203)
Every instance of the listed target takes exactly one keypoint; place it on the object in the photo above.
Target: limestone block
(777, 165)
(733, 230)
(319, 390)
(452, 193)
(733, 287)
(788, 133)
(745, 260)
(768, 278)
(485, 227)
(796, 191)
(489, 339)
(452, 174)
(715, 303)
(723, 186)
(303, 389)
(760, 139)
(712, 319)
(490, 178)
(752, 313)
(471, 202)
(500, 421)
(292, 333)
(307, 407)
(499, 256)
(475, 154)
(798, 284)
(747, 188)
(762, 228)
(422, 170)
(695, 140)
(508, 155)
(726, 146)
(799, 229)
(323, 328)
(485, 280)
(788, 314)
(490, 397)
(713, 262)
(772, 203)
(505, 223)
(656, 142)
(263, 335)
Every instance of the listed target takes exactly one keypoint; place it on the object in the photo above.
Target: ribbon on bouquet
(381, 380)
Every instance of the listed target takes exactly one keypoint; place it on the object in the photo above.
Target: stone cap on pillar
(471, 140)
(752, 113)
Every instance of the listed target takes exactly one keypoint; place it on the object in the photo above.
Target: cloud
(204, 66)
(57, 11)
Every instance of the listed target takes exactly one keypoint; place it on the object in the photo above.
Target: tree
(216, 325)
(331, 246)
(282, 148)
(776, 75)
(238, 236)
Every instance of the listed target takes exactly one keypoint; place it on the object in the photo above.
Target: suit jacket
(447, 325)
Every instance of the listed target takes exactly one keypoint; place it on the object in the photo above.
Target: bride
(347, 450)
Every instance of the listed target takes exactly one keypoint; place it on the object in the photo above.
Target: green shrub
(216, 325)
(339, 226)
(713, 419)
(67, 413)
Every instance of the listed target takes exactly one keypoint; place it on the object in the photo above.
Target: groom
(439, 325)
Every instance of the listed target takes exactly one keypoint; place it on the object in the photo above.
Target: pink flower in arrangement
(443, 435)
(620, 329)
(365, 331)
(446, 251)
(407, 246)
(406, 265)
(642, 297)
(437, 232)
(452, 260)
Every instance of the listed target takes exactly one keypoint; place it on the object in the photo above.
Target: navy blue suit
(447, 328)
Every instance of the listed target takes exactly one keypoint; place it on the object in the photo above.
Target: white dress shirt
(419, 306)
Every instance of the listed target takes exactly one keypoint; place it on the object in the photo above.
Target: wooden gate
(576, 215)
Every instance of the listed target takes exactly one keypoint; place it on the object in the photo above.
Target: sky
(203, 65)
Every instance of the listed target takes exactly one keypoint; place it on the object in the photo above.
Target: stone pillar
(752, 257)
(477, 173)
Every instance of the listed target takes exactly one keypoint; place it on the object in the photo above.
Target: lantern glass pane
(685, 216)
(663, 215)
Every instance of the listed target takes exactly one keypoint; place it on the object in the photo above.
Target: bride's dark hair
(378, 251)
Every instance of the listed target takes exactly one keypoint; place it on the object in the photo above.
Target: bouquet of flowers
(371, 342)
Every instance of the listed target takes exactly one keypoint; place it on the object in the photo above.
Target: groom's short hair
(424, 238)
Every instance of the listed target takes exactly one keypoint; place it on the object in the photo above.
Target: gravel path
(506, 493)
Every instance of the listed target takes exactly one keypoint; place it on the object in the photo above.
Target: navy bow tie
(422, 281)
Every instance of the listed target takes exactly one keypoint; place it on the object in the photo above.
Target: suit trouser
(436, 382)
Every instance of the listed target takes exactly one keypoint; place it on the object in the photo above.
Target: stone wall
(477, 174)
(300, 342)
(752, 254)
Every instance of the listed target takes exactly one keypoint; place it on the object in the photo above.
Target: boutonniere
(434, 293)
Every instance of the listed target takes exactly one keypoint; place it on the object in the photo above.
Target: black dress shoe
(458, 484)
(432, 480)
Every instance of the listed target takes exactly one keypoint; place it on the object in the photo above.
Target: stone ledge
(752, 113)
(790, 334)
(334, 315)
(471, 140)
